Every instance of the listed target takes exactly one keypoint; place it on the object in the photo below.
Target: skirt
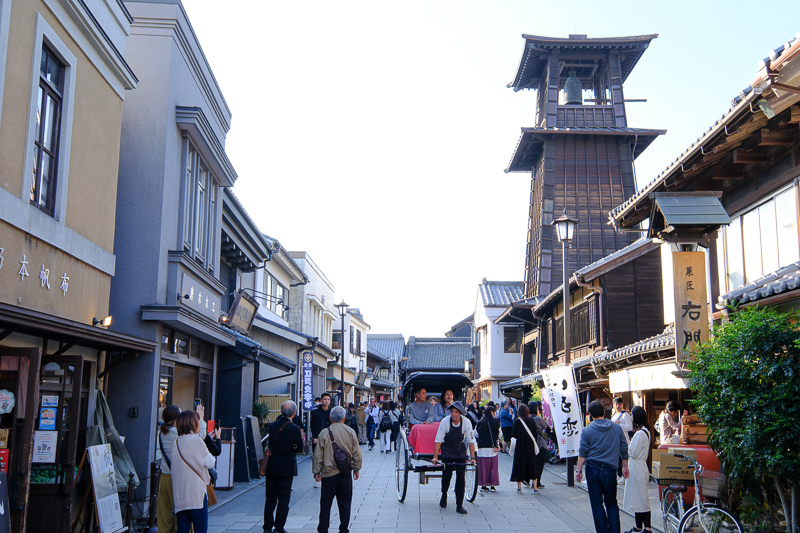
(488, 473)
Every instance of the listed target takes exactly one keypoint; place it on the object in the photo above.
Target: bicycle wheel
(709, 519)
(671, 511)
(402, 464)
(471, 481)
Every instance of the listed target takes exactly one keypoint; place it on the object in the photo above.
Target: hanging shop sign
(562, 395)
(691, 308)
(308, 380)
(242, 313)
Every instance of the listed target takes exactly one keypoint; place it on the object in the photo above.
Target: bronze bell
(573, 89)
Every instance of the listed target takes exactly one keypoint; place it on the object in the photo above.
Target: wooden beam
(727, 173)
(795, 114)
(740, 157)
(775, 138)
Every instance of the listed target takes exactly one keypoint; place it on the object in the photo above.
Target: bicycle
(701, 517)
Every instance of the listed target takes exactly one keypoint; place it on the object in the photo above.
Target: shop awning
(646, 378)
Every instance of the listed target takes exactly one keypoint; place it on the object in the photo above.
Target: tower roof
(534, 56)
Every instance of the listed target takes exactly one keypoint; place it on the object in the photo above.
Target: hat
(459, 406)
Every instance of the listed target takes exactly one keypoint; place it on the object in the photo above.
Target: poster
(47, 418)
(308, 380)
(562, 395)
(6, 401)
(44, 446)
(109, 514)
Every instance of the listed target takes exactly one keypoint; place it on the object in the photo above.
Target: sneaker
(536, 491)
(519, 491)
(484, 489)
(370, 448)
(461, 510)
(492, 489)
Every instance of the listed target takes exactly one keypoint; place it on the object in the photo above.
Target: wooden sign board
(101, 465)
(691, 305)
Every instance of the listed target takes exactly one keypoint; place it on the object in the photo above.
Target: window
(352, 339)
(199, 204)
(511, 340)
(276, 300)
(761, 240)
(336, 341)
(47, 132)
(358, 342)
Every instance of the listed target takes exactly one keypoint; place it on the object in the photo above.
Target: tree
(747, 383)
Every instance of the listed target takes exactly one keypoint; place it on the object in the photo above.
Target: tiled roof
(738, 103)
(663, 341)
(531, 141)
(438, 353)
(501, 293)
(386, 346)
(783, 280)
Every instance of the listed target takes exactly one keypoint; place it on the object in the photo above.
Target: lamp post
(565, 229)
(342, 311)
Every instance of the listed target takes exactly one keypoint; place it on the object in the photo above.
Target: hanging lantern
(573, 89)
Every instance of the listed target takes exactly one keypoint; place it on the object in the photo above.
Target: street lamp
(342, 311)
(565, 230)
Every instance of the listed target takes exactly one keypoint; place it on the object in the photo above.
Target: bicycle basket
(714, 485)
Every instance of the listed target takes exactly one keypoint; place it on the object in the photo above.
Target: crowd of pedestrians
(610, 451)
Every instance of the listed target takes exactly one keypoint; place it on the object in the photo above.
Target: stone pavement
(375, 508)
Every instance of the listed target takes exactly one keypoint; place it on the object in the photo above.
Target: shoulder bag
(342, 459)
(212, 497)
(535, 445)
(262, 464)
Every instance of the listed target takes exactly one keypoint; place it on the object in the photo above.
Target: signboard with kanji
(562, 395)
(308, 380)
(691, 302)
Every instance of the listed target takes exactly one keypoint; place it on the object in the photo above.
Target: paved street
(376, 509)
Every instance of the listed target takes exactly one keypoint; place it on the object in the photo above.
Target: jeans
(602, 481)
(279, 492)
(193, 517)
(339, 486)
(371, 431)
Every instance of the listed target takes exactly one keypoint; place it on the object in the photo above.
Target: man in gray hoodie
(603, 444)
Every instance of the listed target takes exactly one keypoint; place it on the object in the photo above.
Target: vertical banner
(562, 395)
(691, 305)
(308, 380)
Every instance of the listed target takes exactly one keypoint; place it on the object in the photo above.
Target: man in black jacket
(285, 441)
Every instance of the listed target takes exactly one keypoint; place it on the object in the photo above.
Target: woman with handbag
(525, 448)
(635, 499)
(167, 435)
(542, 430)
(190, 478)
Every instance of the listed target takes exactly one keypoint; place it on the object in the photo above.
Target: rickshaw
(418, 458)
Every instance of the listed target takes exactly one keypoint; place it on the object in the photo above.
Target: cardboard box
(3, 438)
(667, 466)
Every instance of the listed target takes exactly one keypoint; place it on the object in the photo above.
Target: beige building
(63, 80)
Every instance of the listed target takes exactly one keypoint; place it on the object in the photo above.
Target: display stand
(225, 459)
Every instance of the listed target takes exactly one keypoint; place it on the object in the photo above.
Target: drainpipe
(599, 290)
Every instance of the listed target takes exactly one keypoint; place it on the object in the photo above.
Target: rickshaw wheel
(471, 481)
(401, 465)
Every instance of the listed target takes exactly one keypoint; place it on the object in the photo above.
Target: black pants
(540, 460)
(279, 491)
(460, 466)
(339, 486)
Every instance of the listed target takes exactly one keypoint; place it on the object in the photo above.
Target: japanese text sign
(308, 380)
(691, 302)
(562, 395)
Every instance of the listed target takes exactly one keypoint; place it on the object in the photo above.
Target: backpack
(342, 459)
(386, 422)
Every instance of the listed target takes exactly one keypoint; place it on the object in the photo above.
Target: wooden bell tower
(580, 152)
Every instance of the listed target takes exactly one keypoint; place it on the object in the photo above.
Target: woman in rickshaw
(452, 438)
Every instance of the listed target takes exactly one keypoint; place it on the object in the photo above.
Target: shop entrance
(62, 411)
(19, 388)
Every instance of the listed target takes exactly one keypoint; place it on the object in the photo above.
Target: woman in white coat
(636, 498)
(190, 464)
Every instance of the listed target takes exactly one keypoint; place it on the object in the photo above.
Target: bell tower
(580, 151)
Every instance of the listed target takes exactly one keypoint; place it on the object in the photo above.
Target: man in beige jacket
(335, 484)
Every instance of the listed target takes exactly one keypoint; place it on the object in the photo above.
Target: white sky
(374, 135)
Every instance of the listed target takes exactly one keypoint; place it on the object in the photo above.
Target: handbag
(342, 459)
(212, 496)
(512, 446)
(262, 464)
(535, 445)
